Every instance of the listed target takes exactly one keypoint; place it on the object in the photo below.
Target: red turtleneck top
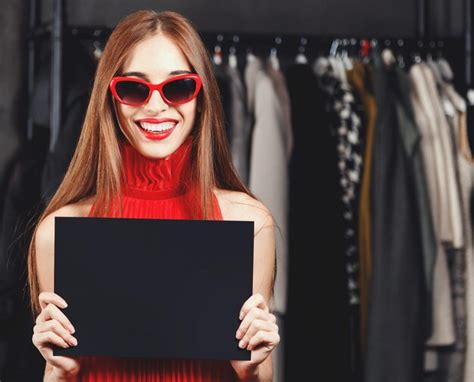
(156, 189)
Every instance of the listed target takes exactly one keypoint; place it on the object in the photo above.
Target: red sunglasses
(174, 91)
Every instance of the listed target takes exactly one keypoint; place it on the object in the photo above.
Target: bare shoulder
(44, 240)
(45, 232)
(240, 206)
(79, 209)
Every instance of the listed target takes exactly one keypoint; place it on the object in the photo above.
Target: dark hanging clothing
(317, 274)
(411, 140)
(342, 105)
(77, 83)
(22, 206)
(396, 306)
(35, 178)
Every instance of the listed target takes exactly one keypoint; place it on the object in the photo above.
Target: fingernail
(241, 344)
(238, 334)
(71, 329)
(73, 341)
(63, 304)
(241, 315)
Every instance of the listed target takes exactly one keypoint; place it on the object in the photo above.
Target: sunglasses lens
(180, 91)
(132, 92)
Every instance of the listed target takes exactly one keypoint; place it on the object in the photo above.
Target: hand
(53, 328)
(257, 332)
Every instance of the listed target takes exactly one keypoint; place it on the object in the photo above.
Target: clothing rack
(284, 45)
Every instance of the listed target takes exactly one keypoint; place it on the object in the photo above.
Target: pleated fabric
(156, 189)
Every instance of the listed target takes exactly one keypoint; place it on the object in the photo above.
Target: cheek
(188, 111)
(126, 112)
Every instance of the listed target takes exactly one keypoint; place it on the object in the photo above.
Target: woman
(153, 151)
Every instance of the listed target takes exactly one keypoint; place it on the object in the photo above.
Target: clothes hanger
(364, 51)
(274, 61)
(443, 65)
(400, 60)
(233, 62)
(97, 50)
(417, 55)
(387, 54)
(433, 66)
(301, 57)
(250, 55)
(217, 57)
(354, 49)
(336, 60)
(334, 45)
(374, 45)
(345, 58)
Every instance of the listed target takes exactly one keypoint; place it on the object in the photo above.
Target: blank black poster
(154, 288)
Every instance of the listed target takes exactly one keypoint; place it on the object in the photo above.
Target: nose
(156, 103)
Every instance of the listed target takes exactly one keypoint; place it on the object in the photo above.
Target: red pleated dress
(156, 189)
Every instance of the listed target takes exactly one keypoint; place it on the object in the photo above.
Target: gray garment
(444, 312)
(452, 359)
(452, 234)
(269, 160)
(412, 137)
(279, 82)
(240, 127)
(396, 310)
(434, 158)
(450, 102)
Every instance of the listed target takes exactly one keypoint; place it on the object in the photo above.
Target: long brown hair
(95, 169)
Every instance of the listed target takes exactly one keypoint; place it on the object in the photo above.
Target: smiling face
(156, 129)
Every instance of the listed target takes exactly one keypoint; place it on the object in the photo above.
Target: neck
(156, 178)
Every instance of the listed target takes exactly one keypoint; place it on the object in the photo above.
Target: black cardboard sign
(154, 288)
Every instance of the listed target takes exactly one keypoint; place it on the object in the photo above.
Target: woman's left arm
(258, 331)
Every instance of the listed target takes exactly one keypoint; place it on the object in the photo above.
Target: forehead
(156, 56)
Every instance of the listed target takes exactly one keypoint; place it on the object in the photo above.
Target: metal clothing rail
(289, 44)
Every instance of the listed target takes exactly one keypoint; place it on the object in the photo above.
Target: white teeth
(157, 127)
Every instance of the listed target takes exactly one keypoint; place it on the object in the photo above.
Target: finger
(257, 300)
(46, 298)
(69, 365)
(264, 339)
(254, 313)
(273, 318)
(43, 340)
(53, 312)
(255, 327)
(55, 327)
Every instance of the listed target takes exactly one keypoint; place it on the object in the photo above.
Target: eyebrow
(145, 77)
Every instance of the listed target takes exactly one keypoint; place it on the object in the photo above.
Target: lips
(156, 129)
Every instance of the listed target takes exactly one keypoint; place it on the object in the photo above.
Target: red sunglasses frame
(153, 87)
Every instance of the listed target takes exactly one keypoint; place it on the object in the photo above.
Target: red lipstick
(156, 135)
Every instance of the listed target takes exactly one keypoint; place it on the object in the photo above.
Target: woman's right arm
(52, 326)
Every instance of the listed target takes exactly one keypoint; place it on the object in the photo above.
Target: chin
(157, 150)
